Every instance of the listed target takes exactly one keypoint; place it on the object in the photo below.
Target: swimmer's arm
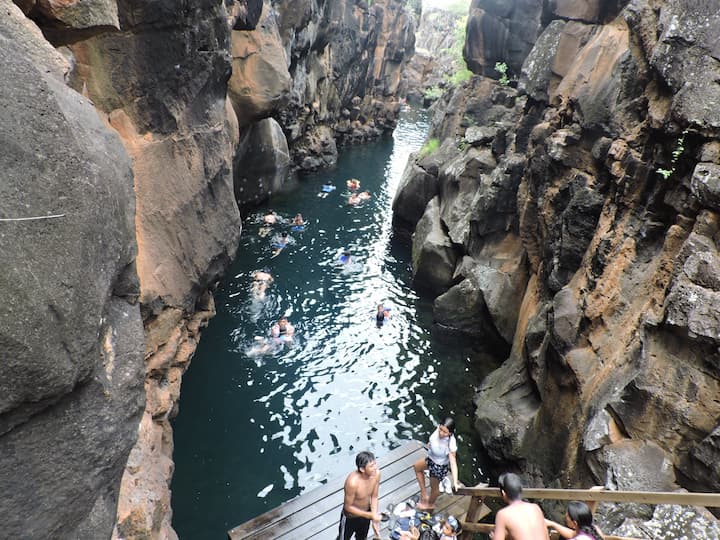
(562, 530)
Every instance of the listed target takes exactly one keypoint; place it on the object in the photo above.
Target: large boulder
(260, 81)
(70, 332)
(433, 256)
(263, 162)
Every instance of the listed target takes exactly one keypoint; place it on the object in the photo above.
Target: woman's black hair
(449, 423)
(580, 513)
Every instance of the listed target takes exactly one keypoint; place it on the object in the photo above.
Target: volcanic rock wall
(574, 225)
(71, 338)
(434, 60)
(315, 74)
(126, 127)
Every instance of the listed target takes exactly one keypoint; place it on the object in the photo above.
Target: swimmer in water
(364, 196)
(298, 223)
(345, 258)
(354, 199)
(353, 184)
(382, 314)
(271, 217)
(280, 244)
(260, 346)
(261, 279)
(282, 330)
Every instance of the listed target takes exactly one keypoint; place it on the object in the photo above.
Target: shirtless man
(361, 500)
(519, 520)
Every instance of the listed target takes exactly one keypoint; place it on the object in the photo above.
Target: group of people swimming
(282, 331)
(518, 520)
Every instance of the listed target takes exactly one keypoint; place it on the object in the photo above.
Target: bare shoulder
(351, 480)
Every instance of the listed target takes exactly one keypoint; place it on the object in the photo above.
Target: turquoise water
(255, 430)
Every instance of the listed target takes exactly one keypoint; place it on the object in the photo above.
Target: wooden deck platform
(316, 514)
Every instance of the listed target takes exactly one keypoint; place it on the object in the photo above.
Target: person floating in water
(282, 330)
(260, 346)
(271, 217)
(280, 243)
(382, 314)
(357, 198)
(298, 223)
(327, 188)
(353, 184)
(269, 220)
(261, 279)
(345, 258)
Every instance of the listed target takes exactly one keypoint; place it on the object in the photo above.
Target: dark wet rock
(260, 82)
(506, 406)
(343, 56)
(417, 188)
(686, 56)
(705, 184)
(71, 374)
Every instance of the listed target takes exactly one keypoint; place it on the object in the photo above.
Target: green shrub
(434, 92)
(501, 68)
(429, 147)
(679, 149)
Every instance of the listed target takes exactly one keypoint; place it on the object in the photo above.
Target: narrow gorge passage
(255, 430)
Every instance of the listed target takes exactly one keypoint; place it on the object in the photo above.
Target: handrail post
(472, 515)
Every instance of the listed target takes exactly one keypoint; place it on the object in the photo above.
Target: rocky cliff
(439, 35)
(70, 329)
(572, 224)
(130, 131)
(311, 76)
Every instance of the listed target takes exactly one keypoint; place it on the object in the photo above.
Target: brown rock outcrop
(614, 360)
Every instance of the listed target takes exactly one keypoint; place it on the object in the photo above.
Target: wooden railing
(478, 494)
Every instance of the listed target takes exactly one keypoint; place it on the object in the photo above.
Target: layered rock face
(71, 373)
(151, 118)
(310, 76)
(581, 212)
